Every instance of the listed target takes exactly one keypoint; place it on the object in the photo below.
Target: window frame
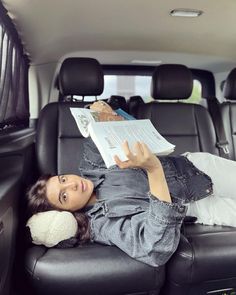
(206, 78)
(14, 98)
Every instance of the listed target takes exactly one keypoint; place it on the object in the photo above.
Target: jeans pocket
(199, 186)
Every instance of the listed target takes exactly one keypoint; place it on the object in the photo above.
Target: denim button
(181, 209)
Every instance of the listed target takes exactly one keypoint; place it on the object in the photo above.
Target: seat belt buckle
(224, 146)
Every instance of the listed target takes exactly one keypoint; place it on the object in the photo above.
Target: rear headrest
(171, 81)
(117, 101)
(81, 76)
(230, 86)
(136, 99)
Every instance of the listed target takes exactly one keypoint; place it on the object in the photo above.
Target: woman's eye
(63, 178)
(64, 197)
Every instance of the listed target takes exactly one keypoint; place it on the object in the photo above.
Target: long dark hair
(38, 202)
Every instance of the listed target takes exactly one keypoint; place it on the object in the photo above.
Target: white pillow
(51, 227)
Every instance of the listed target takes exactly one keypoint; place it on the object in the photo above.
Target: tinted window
(14, 105)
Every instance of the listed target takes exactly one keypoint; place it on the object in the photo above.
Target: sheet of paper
(82, 118)
(109, 137)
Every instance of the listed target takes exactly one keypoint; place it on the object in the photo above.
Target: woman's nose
(71, 185)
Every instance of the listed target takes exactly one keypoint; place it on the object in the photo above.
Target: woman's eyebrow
(59, 195)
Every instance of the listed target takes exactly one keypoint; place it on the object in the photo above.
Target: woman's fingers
(121, 164)
(138, 149)
(133, 158)
(146, 150)
(127, 150)
(130, 156)
(141, 158)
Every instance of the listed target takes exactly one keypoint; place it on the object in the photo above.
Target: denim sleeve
(151, 236)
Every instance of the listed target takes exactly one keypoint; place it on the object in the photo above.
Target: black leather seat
(228, 111)
(117, 101)
(188, 126)
(92, 268)
(206, 256)
(204, 262)
(134, 103)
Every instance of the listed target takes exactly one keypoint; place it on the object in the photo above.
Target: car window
(14, 104)
(196, 96)
(127, 86)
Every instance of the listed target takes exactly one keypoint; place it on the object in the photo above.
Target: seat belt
(222, 142)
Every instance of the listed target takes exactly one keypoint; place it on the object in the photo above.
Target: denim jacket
(129, 216)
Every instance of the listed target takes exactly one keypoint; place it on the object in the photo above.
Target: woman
(139, 205)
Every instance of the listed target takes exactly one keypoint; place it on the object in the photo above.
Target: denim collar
(96, 178)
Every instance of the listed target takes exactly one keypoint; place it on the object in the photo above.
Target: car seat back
(91, 268)
(189, 126)
(58, 140)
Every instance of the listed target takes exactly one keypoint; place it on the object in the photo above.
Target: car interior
(172, 62)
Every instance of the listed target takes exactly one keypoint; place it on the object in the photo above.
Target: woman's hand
(141, 158)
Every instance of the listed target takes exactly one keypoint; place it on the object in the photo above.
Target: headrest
(81, 76)
(230, 86)
(171, 81)
(117, 101)
(136, 99)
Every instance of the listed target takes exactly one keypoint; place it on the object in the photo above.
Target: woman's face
(69, 192)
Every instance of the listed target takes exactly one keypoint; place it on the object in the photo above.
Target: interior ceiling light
(137, 61)
(186, 12)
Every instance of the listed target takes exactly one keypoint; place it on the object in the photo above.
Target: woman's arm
(143, 158)
(158, 185)
(151, 236)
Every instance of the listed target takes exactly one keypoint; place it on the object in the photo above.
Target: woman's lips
(83, 185)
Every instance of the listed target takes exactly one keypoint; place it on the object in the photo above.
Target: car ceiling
(122, 31)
